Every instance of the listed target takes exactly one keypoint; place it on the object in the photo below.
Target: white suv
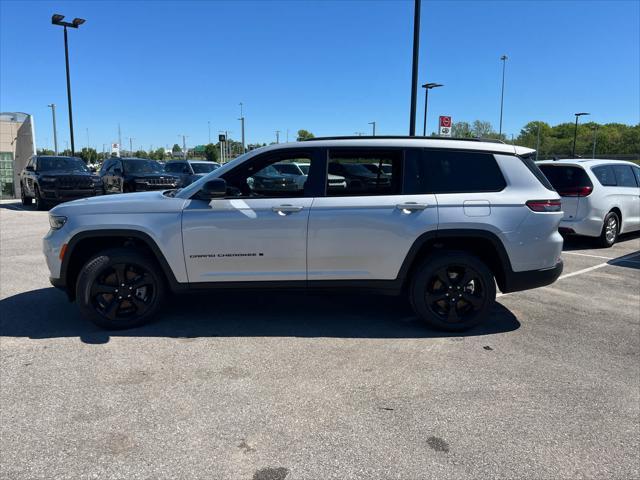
(600, 198)
(450, 220)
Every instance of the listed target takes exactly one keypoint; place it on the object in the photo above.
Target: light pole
(538, 142)
(575, 133)
(242, 128)
(56, 19)
(55, 132)
(131, 139)
(595, 140)
(277, 136)
(184, 145)
(504, 59)
(427, 87)
(414, 68)
(373, 126)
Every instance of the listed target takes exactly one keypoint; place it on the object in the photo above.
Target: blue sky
(163, 68)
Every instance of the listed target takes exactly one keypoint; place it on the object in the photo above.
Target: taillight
(544, 205)
(575, 191)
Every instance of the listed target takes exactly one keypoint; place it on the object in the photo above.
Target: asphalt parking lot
(273, 386)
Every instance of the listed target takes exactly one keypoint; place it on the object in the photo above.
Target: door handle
(285, 209)
(409, 207)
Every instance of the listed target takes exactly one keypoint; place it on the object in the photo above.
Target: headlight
(57, 221)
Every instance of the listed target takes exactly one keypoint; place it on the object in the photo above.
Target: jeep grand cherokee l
(50, 180)
(453, 219)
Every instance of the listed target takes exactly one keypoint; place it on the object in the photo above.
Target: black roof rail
(402, 137)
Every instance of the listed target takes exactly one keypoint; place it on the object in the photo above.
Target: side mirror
(29, 168)
(216, 188)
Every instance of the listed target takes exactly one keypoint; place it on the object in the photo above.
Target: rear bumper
(518, 281)
(590, 227)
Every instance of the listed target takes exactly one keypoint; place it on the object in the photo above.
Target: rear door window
(624, 176)
(450, 171)
(605, 175)
(348, 173)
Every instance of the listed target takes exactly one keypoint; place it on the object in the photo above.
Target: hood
(140, 202)
(66, 173)
(151, 175)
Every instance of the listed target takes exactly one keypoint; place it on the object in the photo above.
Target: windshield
(204, 167)
(142, 166)
(305, 168)
(47, 164)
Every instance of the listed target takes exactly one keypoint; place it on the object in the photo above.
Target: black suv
(50, 180)
(122, 175)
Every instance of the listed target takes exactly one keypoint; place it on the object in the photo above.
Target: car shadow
(17, 206)
(576, 242)
(46, 313)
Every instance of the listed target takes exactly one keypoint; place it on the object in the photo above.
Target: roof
(378, 141)
(590, 162)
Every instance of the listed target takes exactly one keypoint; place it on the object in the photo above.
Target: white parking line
(612, 261)
(586, 255)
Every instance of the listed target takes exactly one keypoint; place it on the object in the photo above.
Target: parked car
(455, 219)
(51, 180)
(189, 170)
(375, 168)
(269, 180)
(359, 178)
(600, 198)
(124, 175)
(301, 171)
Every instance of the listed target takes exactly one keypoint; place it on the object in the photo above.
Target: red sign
(445, 122)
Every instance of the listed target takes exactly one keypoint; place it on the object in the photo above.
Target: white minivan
(600, 198)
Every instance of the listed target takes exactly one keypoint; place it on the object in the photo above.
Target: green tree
(176, 148)
(45, 151)
(304, 135)
(89, 155)
(461, 130)
(211, 152)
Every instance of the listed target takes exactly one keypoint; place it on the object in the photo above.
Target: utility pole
(373, 124)
(244, 149)
(414, 70)
(55, 132)
(184, 145)
(277, 136)
(504, 59)
(131, 139)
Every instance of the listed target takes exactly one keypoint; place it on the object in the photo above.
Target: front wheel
(610, 230)
(453, 291)
(120, 288)
(26, 200)
(40, 203)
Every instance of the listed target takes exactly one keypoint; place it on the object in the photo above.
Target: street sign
(115, 149)
(445, 126)
(222, 138)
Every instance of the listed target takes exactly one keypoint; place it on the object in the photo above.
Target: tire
(610, 230)
(26, 200)
(447, 301)
(104, 300)
(40, 203)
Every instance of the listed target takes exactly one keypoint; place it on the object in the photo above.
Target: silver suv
(449, 220)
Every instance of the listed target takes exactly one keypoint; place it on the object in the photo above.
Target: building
(17, 145)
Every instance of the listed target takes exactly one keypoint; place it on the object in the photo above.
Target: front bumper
(64, 195)
(518, 281)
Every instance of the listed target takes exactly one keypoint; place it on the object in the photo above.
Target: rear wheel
(26, 200)
(40, 203)
(120, 288)
(610, 230)
(453, 291)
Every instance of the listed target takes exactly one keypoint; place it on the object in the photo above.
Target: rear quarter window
(624, 176)
(450, 171)
(605, 175)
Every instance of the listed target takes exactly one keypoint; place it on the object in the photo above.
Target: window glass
(636, 171)
(260, 178)
(605, 175)
(565, 176)
(362, 172)
(48, 164)
(624, 176)
(142, 166)
(204, 167)
(449, 171)
(535, 169)
(174, 167)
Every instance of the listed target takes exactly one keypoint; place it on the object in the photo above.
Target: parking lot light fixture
(427, 87)
(575, 133)
(57, 19)
(504, 59)
(373, 127)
